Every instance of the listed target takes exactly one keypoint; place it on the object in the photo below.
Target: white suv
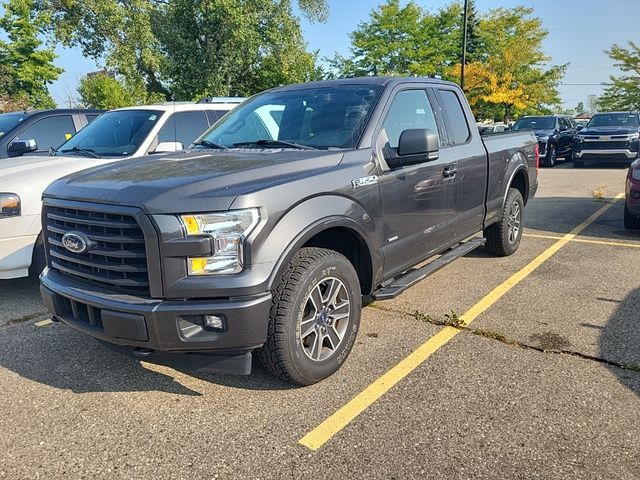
(115, 135)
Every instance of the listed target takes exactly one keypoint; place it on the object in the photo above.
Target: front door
(418, 200)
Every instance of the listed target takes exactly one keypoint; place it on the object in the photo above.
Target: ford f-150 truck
(114, 136)
(268, 235)
(608, 137)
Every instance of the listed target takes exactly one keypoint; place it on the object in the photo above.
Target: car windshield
(116, 133)
(535, 123)
(323, 118)
(629, 120)
(9, 121)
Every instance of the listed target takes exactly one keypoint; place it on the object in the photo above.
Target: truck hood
(29, 176)
(607, 131)
(192, 181)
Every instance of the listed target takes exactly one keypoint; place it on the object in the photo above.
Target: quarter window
(457, 128)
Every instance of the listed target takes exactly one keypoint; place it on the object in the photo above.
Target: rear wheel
(314, 317)
(503, 238)
(631, 221)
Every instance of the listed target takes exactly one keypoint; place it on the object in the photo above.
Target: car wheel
(503, 238)
(314, 319)
(631, 221)
(550, 159)
(38, 260)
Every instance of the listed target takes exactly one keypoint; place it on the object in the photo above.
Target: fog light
(214, 322)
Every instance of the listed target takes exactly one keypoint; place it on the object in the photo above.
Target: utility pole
(465, 16)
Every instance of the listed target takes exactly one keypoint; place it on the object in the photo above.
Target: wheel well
(521, 182)
(351, 245)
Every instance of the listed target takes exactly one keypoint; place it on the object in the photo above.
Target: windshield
(324, 118)
(8, 121)
(535, 123)
(116, 133)
(629, 120)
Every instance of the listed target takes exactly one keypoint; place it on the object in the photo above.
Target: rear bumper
(150, 325)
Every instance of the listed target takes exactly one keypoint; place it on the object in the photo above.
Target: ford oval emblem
(75, 242)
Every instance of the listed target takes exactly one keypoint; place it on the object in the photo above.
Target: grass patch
(600, 192)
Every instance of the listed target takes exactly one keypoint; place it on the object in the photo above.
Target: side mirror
(166, 147)
(20, 147)
(419, 141)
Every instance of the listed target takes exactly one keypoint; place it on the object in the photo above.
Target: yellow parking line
(346, 414)
(584, 240)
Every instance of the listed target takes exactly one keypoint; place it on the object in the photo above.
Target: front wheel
(550, 159)
(315, 316)
(632, 222)
(503, 238)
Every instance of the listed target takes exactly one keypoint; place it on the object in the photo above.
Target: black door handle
(449, 171)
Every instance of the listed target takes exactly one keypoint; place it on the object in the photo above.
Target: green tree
(232, 47)
(403, 40)
(624, 91)
(580, 110)
(475, 49)
(108, 92)
(26, 67)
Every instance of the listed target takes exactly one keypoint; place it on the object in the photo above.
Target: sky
(579, 32)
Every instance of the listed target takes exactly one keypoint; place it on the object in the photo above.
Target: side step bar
(411, 277)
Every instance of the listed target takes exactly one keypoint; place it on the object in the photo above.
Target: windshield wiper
(208, 144)
(274, 144)
(87, 152)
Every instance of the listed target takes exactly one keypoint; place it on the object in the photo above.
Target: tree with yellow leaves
(510, 78)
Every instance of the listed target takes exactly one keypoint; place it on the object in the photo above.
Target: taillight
(536, 150)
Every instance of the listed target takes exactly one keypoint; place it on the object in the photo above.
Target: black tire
(286, 352)
(38, 260)
(550, 158)
(632, 222)
(502, 239)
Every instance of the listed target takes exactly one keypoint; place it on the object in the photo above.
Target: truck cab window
(410, 109)
(183, 127)
(50, 132)
(457, 127)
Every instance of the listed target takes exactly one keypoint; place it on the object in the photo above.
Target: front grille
(117, 259)
(613, 145)
(81, 313)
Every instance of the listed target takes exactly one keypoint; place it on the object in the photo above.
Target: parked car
(116, 135)
(36, 131)
(608, 137)
(266, 238)
(555, 135)
(486, 129)
(632, 197)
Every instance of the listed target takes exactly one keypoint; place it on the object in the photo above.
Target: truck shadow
(620, 341)
(59, 357)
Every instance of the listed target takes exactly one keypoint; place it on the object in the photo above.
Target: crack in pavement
(454, 321)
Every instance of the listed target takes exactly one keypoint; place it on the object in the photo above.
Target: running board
(399, 284)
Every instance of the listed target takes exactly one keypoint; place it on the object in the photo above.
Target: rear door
(471, 161)
(419, 199)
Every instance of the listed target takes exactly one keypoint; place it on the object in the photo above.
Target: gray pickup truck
(270, 232)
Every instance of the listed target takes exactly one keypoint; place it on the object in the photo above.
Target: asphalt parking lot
(523, 367)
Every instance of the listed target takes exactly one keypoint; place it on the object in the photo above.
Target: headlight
(9, 205)
(634, 136)
(635, 173)
(228, 231)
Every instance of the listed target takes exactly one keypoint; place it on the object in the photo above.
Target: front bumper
(605, 154)
(152, 325)
(15, 256)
